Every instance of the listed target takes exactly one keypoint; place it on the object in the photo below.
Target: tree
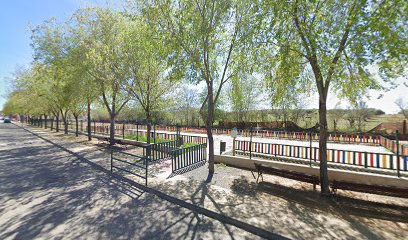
(101, 30)
(188, 100)
(87, 88)
(210, 39)
(244, 95)
(149, 80)
(362, 114)
(337, 42)
(53, 72)
(338, 114)
(403, 106)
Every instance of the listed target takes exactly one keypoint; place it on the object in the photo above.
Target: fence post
(147, 162)
(123, 130)
(178, 135)
(365, 159)
(233, 146)
(250, 145)
(154, 133)
(398, 160)
(137, 131)
(310, 152)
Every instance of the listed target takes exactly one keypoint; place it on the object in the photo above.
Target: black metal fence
(160, 151)
(185, 157)
(130, 163)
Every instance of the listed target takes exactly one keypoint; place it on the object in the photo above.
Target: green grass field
(343, 125)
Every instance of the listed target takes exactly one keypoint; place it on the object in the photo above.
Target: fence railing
(185, 157)
(172, 136)
(122, 129)
(163, 150)
(130, 163)
(357, 158)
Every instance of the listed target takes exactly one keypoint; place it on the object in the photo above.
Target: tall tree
(403, 106)
(337, 42)
(210, 41)
(243, 94)
(102, 38)
(53, 71)
(149, 79)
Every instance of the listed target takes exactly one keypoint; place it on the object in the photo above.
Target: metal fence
(357, 158)
(130, 163)
(185, 157)
(160, 151)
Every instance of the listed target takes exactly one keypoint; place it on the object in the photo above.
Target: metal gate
(130, 163)
(185, 157)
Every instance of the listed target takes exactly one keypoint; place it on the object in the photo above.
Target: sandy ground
(48, 193)
(283, 206)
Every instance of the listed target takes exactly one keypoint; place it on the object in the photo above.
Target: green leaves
(338, 40)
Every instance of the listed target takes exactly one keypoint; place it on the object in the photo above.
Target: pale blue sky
(15, 18)
(16, 15)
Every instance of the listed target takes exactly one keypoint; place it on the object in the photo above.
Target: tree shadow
(64, 198)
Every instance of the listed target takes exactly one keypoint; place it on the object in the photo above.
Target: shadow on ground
(49, 193)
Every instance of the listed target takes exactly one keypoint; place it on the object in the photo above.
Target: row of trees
(141, 53)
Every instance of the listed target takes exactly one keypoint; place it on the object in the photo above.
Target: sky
(17, 15)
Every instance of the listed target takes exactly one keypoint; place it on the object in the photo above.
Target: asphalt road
(47, 193)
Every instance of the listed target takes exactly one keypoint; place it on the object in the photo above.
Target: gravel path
(47, 193)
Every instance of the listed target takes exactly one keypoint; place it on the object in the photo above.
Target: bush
(186, 145)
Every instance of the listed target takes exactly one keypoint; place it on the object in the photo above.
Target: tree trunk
(52, 124)
(324, 178)
(112, 128)
(76, 125)
(209, 124)
(149, 124)
(65, 124)
(57, 127)
(45, 121)
(89, 121)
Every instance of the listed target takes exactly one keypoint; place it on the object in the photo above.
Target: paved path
(47, 193)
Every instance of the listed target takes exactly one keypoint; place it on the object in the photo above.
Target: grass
(142, 138)
(186, 145)
(343, 125)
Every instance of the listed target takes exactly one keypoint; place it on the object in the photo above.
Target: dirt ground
(49, 193)
(289, 208)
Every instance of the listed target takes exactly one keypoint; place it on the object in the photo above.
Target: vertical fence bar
(310, 152)
(137, 131)
(147, 159)
(250, 145)
(398, 160)
(123, 130)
